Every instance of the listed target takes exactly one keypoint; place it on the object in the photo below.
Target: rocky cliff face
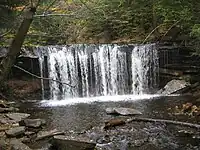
(175, 62)
(178, 62)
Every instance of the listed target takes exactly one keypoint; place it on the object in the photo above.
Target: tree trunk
(154, 17)
(16, 44)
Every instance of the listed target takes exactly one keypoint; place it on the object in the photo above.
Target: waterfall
(100, 70)
(144, 68)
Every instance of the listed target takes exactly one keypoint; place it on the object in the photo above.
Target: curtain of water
(101, 70)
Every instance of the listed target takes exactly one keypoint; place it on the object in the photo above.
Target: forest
(102, 21)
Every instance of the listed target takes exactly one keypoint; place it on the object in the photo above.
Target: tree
(17, 42)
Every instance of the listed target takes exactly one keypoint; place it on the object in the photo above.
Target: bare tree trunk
(154, 17)
(16, 44)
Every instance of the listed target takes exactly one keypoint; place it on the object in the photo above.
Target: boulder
(35, 123)
(18, 145)
(62, 142)
(46, 134)
(17, 116)
(173, 86)
(16, 131)
(123, 111)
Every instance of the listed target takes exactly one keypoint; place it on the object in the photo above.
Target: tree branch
(49, 6)
(160, 26)
(42, 77)
(151, 33)
(171, 28)
(165, 121)
(46, 15)
(7, 32)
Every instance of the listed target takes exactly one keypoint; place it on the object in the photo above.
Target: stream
(87, 120)
(95, 77)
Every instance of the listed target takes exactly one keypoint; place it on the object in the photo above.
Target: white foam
(116, 98)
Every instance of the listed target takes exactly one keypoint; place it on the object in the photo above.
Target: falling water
(101, 70)
(144, 68)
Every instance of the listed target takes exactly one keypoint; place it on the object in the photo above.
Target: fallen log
(113, 123)
(175, 73)
(164, 121)
(43, 77)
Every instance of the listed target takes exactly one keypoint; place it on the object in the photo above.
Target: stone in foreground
(35, 123)
(123, 111)
(17, 116)
(18, 145)
(16, 131)
(62, 142)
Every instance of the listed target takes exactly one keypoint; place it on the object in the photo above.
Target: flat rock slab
(17, 116)
(62, 142)
(35, 123)
(16, 131)
(18, 145)
(123, 111)
(47, 134)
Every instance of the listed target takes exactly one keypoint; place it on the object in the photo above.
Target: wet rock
(28, 133)
(66, 143)
(25, 139)
(3, 144)
(6, 120)
(46, 134)
(196, 137)
(3, 104)
(10, 109)
(140, 142)
(18, 145)
(123, 111)
(173, 86)
(2, 135)
(35, 123)
(184, 133)
(17, 116)
(103, 140)
(46, 146)
(5, 127)
(16, 131)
